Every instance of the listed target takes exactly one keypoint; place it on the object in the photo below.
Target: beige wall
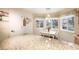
(66, 36)
(15, 23)
(77, 22)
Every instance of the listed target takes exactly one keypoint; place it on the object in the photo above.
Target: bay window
(46, 23)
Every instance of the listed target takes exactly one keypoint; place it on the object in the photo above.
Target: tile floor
(35, 42)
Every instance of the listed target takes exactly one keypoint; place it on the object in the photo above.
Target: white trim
(67, 31)
(65, 17)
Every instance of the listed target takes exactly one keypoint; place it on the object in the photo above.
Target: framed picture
(4, 16)
(26, 20)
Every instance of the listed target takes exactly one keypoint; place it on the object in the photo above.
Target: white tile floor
(35, 42)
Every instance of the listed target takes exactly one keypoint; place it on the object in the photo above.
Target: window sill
(67, 31)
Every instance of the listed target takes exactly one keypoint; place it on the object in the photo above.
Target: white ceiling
(44, 10)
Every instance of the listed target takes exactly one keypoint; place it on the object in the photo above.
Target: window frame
(57, 24)
(66, 17)
(45, 22)
(40, 23)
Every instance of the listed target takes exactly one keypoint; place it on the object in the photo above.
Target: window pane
(68, 23)
(48, 24)
(41, 23)
(37, 23)
(54, 23)
(71, 24)
(64, 24)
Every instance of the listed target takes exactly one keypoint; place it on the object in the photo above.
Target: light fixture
(48, 15)
(48, 8)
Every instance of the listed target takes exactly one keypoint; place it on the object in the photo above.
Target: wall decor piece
(3, 14)
(26, 20)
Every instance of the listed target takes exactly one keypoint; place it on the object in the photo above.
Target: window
(67, 23)
(71, 24)
(64, 24)
(54, 23)
(39, 23)
(47, 23)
